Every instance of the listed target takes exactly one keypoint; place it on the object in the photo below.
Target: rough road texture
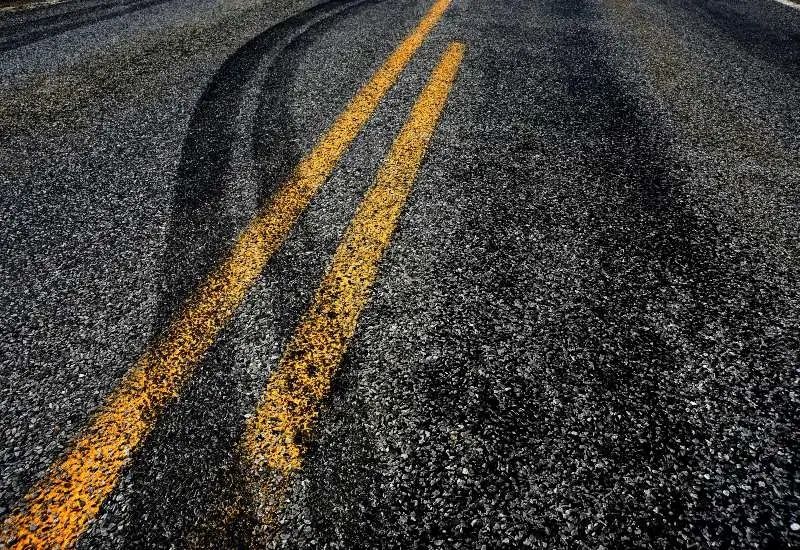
(586, 330)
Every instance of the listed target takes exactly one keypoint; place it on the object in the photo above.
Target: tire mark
(773, 40)
(199, 231)
(25, 39)
(17, 27)
(204, 427)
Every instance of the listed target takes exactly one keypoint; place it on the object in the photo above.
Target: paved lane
(582, 330)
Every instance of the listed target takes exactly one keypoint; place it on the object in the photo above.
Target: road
(400, 274)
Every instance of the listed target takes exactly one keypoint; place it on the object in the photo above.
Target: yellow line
(274, 438)
(59, 508)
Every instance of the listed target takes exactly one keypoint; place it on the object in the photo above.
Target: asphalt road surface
(400, 274)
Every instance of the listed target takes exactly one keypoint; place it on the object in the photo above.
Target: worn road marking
(274, 441)
(59, 508)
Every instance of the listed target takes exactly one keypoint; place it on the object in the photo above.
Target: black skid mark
(200, 232)
(186, 481)
(61, 23)
(772, 40)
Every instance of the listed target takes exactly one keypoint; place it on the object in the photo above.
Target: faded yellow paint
(59, 508)
(275, 436)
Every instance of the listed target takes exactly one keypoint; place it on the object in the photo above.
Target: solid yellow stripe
(58, 509)
(274, 436)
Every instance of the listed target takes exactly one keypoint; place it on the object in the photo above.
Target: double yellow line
(58, 509)
(273, 439)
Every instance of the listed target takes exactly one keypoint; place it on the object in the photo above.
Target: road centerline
(273, 444)
(58, 508)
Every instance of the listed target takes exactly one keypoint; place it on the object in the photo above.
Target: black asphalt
(586, 330)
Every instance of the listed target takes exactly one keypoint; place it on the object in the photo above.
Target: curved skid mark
(24, 39)
(200, 231)
(58, 509)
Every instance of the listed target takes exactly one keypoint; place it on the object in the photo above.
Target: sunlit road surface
(400, 274)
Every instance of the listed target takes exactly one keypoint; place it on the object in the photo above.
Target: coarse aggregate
(585, 332)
